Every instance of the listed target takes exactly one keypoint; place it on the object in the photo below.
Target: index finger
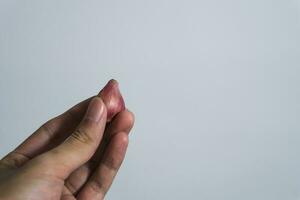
(47, 136)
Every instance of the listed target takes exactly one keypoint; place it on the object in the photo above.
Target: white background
(214, 86)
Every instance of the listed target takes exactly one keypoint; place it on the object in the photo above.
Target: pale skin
(75, 155)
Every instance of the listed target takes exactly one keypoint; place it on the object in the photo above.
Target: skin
(75, 155)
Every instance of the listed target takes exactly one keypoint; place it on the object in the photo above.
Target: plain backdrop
(214, 85)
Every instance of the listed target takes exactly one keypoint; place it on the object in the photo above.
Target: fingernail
(95, 110)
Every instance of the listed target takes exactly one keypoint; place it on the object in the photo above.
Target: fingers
(81, 145)
(54, 131)
(47, 136)
(122, 122)
(58, 129)
(102, 178)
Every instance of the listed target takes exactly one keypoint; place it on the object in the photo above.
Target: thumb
(82, 143)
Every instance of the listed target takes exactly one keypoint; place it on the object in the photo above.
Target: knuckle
(71, 187)
(48, 129)
(98, 186)
(14, 160)
(112, 163)
(82, 136)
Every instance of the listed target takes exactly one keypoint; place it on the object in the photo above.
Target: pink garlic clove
(112, 98)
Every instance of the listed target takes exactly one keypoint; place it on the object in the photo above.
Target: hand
(75, 155)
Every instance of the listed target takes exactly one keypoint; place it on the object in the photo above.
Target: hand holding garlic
(54, 164)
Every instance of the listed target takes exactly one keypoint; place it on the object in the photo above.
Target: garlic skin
(112, 99)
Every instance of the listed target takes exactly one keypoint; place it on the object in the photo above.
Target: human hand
(75, 155)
